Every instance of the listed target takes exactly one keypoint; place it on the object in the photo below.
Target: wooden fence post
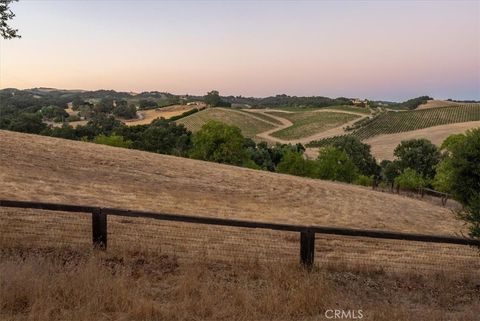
(99, 229)
(307, 247)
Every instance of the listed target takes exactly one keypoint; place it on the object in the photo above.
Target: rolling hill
(249, 124)
(168, 270)
(49, 169)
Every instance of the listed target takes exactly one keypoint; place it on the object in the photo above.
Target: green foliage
(359, 153)
(6, 14)
(390, 170)
(451, 141)
(105, 105)
(221, 143)
(418, 154)
(28, 123)
(112, 140)
(51, 112)
(466, 168)
(294, 163)
(98, 125)
(185, 114)
(165, 137)
(364, 180)
(409, 179)
(123, 110)
(147, 104)
(471, 215)
(72, 118)
(415, 102)
(333, 164)
(212, 98)
(66, 131)
(77, 102)
(443, 179)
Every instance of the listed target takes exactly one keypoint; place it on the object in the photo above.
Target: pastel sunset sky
(371, 49)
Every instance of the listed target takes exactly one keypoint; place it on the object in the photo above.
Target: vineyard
(263, 116)
(399, 122)
(309, 123)
(248, 124)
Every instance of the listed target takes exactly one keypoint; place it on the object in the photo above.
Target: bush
(364, 180)
(73, 118)
(113, 140)
(185, 114)
(410, 180)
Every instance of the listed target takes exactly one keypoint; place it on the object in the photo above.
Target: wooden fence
(307, 233)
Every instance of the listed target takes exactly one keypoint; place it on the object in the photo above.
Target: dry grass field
(156, 270)
(384, 145)
(438, 103)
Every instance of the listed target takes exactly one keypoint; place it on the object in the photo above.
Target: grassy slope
(309, 123)
(249, 125)
(133, 281)
(44, 168)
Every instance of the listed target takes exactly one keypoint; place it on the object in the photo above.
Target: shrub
(409, 179)
(364, 180)
(112, 140)
(73, 118)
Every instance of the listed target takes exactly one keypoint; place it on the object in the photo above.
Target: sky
(389, 50)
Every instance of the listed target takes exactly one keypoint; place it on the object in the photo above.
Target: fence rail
(307, 233)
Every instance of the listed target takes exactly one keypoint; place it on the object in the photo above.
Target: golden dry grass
(438, 103)
(66, 284)
(49, 169)
(384, 145)
(156, 270)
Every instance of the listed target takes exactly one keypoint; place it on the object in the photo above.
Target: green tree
(359, 153)
(466, 168)
(165, 137)
(105, 105)
(221, 143)
(444, 175)
(294, 163)
(53, 113)
(77, 102)
(123, 110)
(212, 98)
(28, 123)
(65, 131)
(390, 170)
(335, 165)
(418, 154)
(409, 179)
(112, 140)
(6, 14)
